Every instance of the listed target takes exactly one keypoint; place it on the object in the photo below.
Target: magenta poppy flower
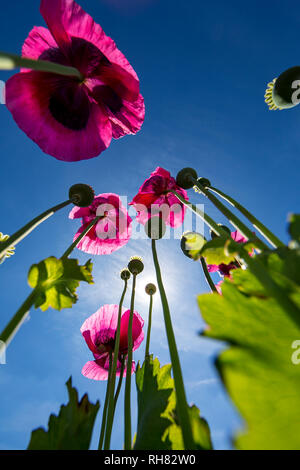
(111, 232)
(99, 331)
(154, 197)
(224, 269)
(71, 119)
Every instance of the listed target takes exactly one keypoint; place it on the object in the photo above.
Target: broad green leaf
(214, 251)
(71, 429)
(56, 281)
(158, 426)
(257, 368)
(13, 61)
(200, 431)
(154, 389)
(294, 227)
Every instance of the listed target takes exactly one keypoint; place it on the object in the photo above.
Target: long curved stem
(206, 218)
(149, 327)
(104, 414)
(78, 239)
(120, 383)
(18, 319)
(207, 275)
(181, 401)
(13, 61)
(127, 401)
(110, 415)
(14, 239)
(233, 219)
(262, 229)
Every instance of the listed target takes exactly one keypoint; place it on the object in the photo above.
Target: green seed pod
(204, 181)
(125, 274)
(155, 228)
(150, 289)
(214, 235)
(191, 244)
(82, 195)
(135, 265)
(283, 92)
(183, 178)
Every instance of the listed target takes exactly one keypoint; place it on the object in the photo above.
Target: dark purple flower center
(69, 104)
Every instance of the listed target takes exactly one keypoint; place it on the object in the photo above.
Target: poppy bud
(191, 244)
(155, 228)
(214, 235)
(184, 177)
(125, 274)
(205, 182)
(82, 195)
(282, 92)
(135, 265)
(150, 289)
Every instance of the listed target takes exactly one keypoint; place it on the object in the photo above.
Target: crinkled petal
(38, 42)
(96, 371)
(27, 98)
(129, 119)
(66, 19)
(79, 212)
(104, 320)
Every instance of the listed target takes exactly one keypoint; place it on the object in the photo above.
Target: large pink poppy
(111, 232)
(154, 198)
(71, 119)
(99, 332)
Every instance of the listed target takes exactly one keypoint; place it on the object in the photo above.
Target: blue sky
(203, 68)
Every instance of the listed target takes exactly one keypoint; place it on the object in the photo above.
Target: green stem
(262, 229)
(127, 401)
(13, 61)
(104, 414)
(181, 402)
(233, 219)
(149, 327)
(119, 384)
(207, 275)
(14, 239)
(78, 239)
(206, 218)
(111, 406)
(18, 319)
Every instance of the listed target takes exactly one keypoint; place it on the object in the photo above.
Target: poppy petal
(137, 331)
(28, 96)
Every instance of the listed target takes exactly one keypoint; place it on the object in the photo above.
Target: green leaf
(13, 61)
(158, 426)
(200, 429)
(71, 429)
(56, 281)
(214, 251)
(154, 388)
(257, 368)
(294, 227)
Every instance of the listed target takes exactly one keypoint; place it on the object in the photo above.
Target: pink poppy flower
(99, 332)
(224, 269)
(154, 198)
(111, 232)
(71, 119)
